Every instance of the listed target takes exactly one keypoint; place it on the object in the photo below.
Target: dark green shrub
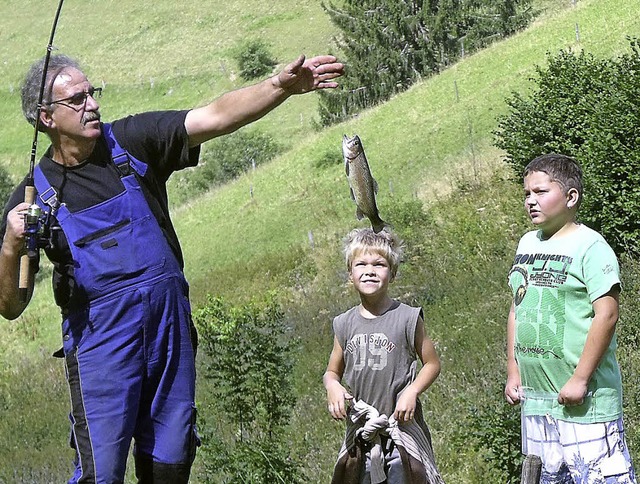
(6, 187)
(226, 158)
(254, 59)
(257, 462)
(249, 361)
(628, 334)
(587, 108)
(495, 434)
(328, 158)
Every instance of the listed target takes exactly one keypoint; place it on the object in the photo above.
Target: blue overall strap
(121, 157)
(47, 195)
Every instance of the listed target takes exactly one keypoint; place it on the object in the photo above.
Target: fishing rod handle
(25, 261)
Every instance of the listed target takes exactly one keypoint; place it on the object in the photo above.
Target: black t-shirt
(158, 139)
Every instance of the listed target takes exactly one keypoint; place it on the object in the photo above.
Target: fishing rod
(33, 217)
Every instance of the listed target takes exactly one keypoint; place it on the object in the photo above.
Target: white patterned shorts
(574, 453)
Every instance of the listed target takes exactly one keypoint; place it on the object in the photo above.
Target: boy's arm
(513, 373)
(406, 405)
(336, 393)
(599, 337)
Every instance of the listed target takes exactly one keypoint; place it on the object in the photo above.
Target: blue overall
(128, 353)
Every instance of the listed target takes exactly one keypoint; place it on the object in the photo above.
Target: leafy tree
(249, 360)
(390, 45)
(587, 108)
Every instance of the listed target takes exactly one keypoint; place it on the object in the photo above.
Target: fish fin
(353, 195)
(359, 214)
(346, 167)
(375, 186)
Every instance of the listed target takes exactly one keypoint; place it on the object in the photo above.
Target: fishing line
(30, 190)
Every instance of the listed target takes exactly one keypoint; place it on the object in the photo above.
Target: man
(128, 339)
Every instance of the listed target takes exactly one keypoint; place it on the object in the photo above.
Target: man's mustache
(90, 116)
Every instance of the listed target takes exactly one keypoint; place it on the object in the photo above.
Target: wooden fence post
(531, 470)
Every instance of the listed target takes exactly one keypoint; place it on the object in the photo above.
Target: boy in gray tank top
(375, 352)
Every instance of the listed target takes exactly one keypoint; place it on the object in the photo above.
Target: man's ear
(46, 118)
(573, 196)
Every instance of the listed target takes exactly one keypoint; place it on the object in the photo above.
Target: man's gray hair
(31, 85)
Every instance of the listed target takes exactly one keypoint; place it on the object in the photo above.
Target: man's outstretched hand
(305, 75)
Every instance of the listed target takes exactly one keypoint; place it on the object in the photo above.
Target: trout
(362, 184)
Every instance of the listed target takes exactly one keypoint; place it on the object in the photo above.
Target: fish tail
(379, 225)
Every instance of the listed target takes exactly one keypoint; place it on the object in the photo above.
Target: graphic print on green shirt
(554, 284)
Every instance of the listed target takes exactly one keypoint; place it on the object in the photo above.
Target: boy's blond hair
(385, 243)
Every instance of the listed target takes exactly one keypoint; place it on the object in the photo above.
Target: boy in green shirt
(561, 341)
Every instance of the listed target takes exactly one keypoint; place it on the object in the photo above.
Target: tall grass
(154, 55)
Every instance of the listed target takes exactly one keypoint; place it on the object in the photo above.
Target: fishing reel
(37, 230)
(37, 236)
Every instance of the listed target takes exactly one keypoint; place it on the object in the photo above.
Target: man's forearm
(10, 305)
(233, 110)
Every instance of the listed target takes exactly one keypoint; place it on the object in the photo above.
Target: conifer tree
(389, 45)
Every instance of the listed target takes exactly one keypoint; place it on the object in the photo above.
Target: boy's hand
(337, 397)
(406, 406)
(573, 392)
(511, 390)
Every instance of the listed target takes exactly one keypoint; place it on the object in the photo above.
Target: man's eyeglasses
(79, 98)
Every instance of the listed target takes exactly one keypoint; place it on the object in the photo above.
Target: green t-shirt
(554, 283)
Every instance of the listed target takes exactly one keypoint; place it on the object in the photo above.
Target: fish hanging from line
(362, 184)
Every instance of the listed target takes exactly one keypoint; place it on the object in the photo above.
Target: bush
(628, 334)
(249, 355)
(261, 462)
(225, 159)
(589, 109)
(6, 187)
(328, 158)
(255, 60)
(496, 435)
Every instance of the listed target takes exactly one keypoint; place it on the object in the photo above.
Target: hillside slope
(412, 142)
(151, 54)
(441, 125)
(242, 238)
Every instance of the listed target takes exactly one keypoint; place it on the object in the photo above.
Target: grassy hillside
(431, 141)
(152, 54)
(411, 143)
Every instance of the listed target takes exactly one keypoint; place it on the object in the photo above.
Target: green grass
(411, 143)
(152, 55)
(424, 143)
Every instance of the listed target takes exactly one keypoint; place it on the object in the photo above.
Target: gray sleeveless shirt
(379, 354)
